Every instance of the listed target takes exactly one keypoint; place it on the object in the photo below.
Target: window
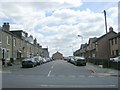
(113, 52)
(8, 54)
(8, 40)
(96, 44)
(93, 55)
(14, 42)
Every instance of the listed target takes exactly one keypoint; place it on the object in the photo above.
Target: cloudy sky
(56, 23)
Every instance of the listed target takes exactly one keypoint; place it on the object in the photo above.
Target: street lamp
(81, 37)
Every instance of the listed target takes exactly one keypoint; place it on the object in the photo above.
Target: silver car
(79, 61)
(116, 59)
(38, 59)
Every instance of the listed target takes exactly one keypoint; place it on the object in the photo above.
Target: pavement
(7, 69)
(98, 69)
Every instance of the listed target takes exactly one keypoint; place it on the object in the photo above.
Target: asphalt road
(56, 74)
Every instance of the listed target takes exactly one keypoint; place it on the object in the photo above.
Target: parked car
(28, 62)
(115, 59)
(66, 58)
(51, 59)
(111, 59)
(38, 59)
(70, 58)
(79, 61)
(44, 60)
(47, 59)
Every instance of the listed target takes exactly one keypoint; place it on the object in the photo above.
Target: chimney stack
(26, 34)
(110, 29)
(6, 26)
(35, 41)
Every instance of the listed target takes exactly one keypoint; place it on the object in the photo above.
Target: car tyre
(23, 66)
(32, 65)
(76, 64)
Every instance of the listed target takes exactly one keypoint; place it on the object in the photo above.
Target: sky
(56, 24)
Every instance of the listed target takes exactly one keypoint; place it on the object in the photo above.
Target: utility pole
(105, 21)
(107, 44)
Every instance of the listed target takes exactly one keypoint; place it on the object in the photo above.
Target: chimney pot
(110, 29)
(4, 23)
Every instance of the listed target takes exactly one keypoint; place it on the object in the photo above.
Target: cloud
(58, 30)
(113, 12)
(16, 27)
(74, 3)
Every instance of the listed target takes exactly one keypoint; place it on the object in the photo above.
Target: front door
(18, 55)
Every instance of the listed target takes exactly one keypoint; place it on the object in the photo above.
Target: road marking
(86, 86)
(49, 73)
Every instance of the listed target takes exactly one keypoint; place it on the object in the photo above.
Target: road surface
(57, 74)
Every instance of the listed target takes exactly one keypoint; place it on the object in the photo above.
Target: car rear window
(29, 61)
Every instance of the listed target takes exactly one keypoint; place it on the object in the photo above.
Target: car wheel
(76, 64)
(85, 64)
(23, 66)
(32, 65)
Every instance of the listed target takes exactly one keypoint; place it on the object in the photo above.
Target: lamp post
(81, 39)
(72, 50)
